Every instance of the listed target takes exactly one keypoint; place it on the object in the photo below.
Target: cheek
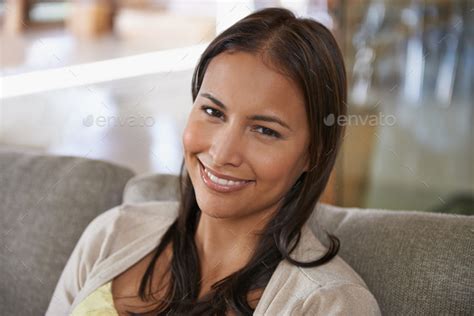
(190, 138)
(194, 137)
(276, 168)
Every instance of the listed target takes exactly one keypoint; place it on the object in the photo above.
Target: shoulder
(134, 215)
(113, 233)
(313, 293)
(339, 298)
(332, 288)
(122, 224)
(335, 271)
(137, 212)
(131, 215)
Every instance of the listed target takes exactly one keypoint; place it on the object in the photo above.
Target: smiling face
(226, 134)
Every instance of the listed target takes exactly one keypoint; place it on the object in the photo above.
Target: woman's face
(230, 141)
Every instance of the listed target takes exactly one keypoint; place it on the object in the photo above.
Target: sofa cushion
(47, 201)
(413, 262)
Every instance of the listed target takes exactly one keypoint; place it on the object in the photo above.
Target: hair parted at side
(305, 51)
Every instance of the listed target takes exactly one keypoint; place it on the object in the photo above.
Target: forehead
(242, 81)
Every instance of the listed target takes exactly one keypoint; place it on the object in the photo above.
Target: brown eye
(269, 132)
(211, 111)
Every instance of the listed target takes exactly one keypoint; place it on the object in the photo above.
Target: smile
(218, 184)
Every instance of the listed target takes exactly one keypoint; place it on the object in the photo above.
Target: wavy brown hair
(305, 51)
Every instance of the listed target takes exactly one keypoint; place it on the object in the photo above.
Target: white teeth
(222, 181)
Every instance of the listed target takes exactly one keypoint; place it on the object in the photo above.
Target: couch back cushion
(46, 203)
(413, 262)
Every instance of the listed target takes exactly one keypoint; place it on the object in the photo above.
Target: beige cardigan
(121, 236)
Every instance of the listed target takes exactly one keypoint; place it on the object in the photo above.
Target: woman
(258, 157)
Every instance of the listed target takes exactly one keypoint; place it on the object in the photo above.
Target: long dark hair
(305, 51)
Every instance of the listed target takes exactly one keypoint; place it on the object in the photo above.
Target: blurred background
(111, 80)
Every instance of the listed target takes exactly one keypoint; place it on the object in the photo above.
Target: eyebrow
(265, 118)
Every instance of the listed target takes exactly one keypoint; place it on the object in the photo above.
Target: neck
(226, 245)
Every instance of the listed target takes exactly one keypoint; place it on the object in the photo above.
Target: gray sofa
(415, 263)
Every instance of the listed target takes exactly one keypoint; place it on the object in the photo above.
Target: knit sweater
(118, 238)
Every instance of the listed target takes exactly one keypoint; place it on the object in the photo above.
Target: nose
(227, 146)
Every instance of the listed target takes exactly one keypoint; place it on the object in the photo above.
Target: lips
(219, 187)
(219, 175)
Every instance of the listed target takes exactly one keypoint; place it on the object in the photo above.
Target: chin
(215, 209)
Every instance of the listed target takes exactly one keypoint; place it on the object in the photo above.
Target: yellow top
(98, 303)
